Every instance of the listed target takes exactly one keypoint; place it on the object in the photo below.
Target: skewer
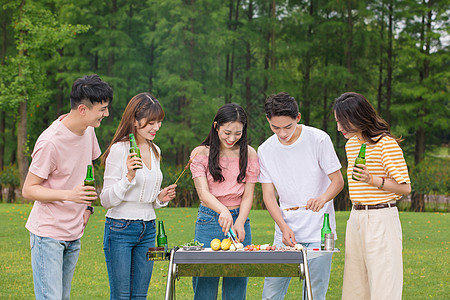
(293, 208)
(184, 170)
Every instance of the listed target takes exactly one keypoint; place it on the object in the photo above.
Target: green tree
(37, 36)
(423, 78)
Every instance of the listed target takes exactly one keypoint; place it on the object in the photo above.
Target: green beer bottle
(361, 159)
(162, 237)
(89, 180)
(134, 149)
(325, 229)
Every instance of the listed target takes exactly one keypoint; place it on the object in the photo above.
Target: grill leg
(170, 285)
(306, 275)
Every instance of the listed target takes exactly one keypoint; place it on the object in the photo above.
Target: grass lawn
(425, 253)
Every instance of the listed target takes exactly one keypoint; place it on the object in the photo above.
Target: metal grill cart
(208, 263)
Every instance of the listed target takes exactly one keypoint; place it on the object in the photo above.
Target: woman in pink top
(225, 170)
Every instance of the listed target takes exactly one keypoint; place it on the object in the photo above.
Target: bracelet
(90, 208)
(371, 179)
(382, 183)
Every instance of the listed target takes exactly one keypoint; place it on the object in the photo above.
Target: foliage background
(196, 55)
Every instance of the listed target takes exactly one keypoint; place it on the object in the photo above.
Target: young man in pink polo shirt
(55, 182)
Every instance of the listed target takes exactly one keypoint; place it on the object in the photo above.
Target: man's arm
(33, 190)
(274, 210)
(336, 185)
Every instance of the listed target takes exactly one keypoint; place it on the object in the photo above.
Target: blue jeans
(126, 244)
(207, 228)
(275, 288)
(53, 264)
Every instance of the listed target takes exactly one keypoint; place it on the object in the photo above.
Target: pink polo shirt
(61, 157)
(229, 192)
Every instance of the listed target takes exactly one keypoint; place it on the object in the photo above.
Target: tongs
(233, 237)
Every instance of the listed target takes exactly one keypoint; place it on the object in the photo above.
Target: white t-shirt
(135, 200)
(300, 172)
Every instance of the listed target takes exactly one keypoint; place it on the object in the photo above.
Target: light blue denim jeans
(53, 264)
(126, 244)
(275, 288)
(207, 228)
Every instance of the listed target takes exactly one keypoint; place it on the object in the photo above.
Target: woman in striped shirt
(373, 244)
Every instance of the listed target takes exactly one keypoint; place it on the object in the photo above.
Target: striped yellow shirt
(383, 159)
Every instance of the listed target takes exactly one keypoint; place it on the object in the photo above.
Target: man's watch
(90, 208)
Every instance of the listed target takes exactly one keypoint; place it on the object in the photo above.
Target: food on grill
(193, 245)
(225, 245)
(215, 244)
(193, 242)
(298, 247)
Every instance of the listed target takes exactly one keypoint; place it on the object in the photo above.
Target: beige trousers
(373, 255)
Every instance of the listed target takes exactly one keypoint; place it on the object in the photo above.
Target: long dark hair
(354, 112)
(228, 113)
(143, 106)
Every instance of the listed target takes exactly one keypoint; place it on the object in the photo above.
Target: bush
(430, 183)
(10, 178)
(431, 176)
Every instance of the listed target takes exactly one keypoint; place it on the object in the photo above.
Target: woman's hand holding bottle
(132, 161)
(363, 173)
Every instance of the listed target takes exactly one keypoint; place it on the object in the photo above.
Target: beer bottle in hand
(89, 181)
(162, 237)
(325, 229)
(134, 149)
(360, 160)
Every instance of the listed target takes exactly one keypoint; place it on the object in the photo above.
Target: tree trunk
(151, 57)
(325, 100)
(248, 57)
(2, 148)
(381, 62)
(151, 63)
(348, 52)
(273, 19)
(22, 141)
(227, 60)
(2, 141)
(60, 95)
(236, 17)
(111, 57)
(417, 199)
(22, 121)
(2, 113)
(4, 39)
(11, 198)
(418, 202)
(306, 109)
(182, 151)
(389, 63)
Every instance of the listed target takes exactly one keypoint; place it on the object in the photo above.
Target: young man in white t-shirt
(298, 163)
(55, 182)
